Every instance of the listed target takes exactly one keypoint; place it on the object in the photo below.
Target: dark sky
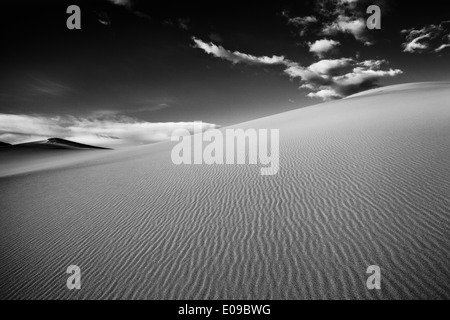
(137, 60)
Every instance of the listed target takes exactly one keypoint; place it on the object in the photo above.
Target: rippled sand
(362, 181)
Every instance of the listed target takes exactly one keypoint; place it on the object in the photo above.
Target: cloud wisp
(42, 86)
(430, 38)
(125, 3)
(236, 56)
(303, 24)
(129, 5)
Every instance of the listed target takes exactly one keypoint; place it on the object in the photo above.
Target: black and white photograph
(225, 151)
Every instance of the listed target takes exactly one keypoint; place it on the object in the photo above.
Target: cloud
(330, 66)
(107, 114)
(360, 79)
(129, 4)
(320, 47)
(416, 45)
(236, 56)
(299, 21)
(183, 23)
(125, 3)
(422, 40)
(338, 78)
(114, 131)
(327, 78)
(49, 88)
(333, 17)
(103, 18)
(442, 47)
(303, 23)
(345, 24)
(325, 94)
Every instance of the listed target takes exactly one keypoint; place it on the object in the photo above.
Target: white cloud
(359, 75)
(320, 47)
(327, 78)
(415, 45)
(119, 131)
(300, 21)
(325, 94)
(328, 66)
(308, 86)
(236, 56)
(345, 24)
(335, 17)
(338, 78)
(442, 47)
(375, 64)
(297, 71)
(423, 39)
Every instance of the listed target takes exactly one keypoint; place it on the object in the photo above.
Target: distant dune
(55, 143)
(4, 144)
(362, 181)
(41, 155)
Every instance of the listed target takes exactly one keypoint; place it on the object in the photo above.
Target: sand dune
(43, 155)
(362, 181)
(56, 143)
(26, 161)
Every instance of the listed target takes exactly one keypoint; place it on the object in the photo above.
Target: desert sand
(362, 181)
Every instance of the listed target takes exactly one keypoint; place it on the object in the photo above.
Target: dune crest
(56, 143)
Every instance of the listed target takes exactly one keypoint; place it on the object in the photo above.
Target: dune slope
(362, 181)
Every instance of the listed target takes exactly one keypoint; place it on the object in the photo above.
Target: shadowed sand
(362, 181)
(42, 155)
